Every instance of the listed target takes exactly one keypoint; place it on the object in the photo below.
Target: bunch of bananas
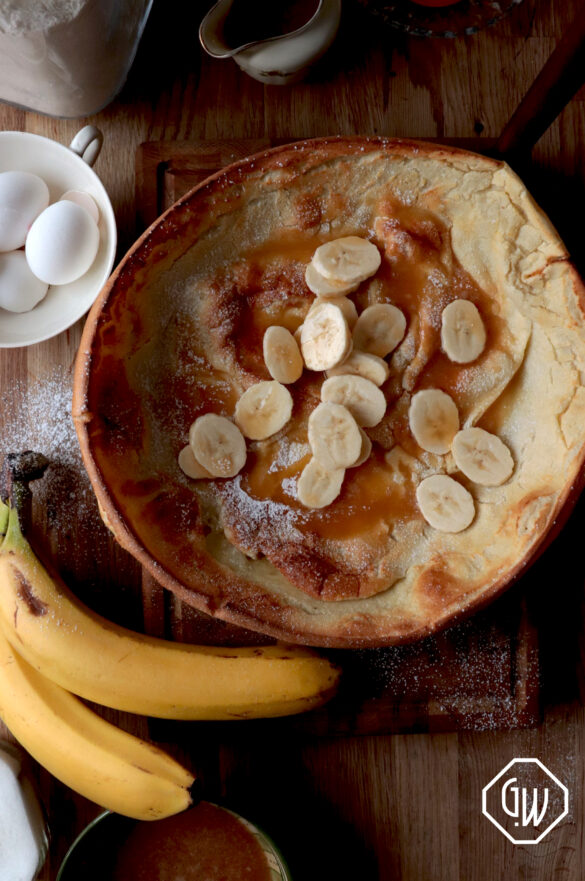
(52, 648)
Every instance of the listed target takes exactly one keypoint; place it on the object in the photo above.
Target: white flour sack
(67, 58)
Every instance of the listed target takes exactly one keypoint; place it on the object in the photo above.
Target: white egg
(22, 198)
(85, 200)
(20, 290)
(62, 243)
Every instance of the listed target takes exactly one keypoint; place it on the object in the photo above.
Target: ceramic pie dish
(178, 333)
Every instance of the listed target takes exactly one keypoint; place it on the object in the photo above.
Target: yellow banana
(105, 764)
(100, 661)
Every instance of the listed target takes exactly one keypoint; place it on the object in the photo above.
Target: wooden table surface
(386, 807)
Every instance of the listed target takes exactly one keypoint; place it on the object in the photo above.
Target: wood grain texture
(401, 807)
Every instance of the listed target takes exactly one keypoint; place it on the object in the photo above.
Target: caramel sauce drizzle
(420, 275)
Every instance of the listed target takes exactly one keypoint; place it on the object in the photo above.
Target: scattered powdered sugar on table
(66, 526)
(35, 414)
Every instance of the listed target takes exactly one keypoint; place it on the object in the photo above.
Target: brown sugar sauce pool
(421, 276)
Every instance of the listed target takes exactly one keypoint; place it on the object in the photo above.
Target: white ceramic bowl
(62, 168)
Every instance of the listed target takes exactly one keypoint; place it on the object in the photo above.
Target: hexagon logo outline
(488, 786)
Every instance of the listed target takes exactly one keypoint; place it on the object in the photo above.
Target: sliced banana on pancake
(379, 329)
(350, 259)
(363, 399)
(365, 450)
(444, 503)
(434, 420)
(263, 409)
(363, 364)
(326, 287)
(218, 445)
(463, 333)
(347, 307)
(482, 456)
(334, 436)
(282, 355)
(190, 466)
(317, 487)
(325, 337)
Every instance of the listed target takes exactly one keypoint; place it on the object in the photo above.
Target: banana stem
(17, 471)
(4, 512)
(13, 537)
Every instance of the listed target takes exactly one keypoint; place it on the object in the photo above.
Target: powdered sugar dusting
(288, 454)
(256, 516)
(36, 415)
(289, 486)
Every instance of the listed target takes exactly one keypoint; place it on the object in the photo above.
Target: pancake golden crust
(178, 332)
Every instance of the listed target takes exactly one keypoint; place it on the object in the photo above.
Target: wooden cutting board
(481, 674)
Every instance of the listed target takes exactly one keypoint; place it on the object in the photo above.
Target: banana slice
(462, 332)
(363, 399)
(190, 466)
(218, 445)
(263, 409)
(334, 436)
(363, 364)
(350, 259)
(325, 337)
(434, 419)
(317, 487)
(482, 456)
(326, 287)
(444, 503)
(281, 355)
(297, 335)
(347, 307)
(379, 329)
(365, 450)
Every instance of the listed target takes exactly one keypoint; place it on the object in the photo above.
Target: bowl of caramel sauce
(204, 843)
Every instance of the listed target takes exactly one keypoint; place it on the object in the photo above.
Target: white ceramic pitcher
(279, 60)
